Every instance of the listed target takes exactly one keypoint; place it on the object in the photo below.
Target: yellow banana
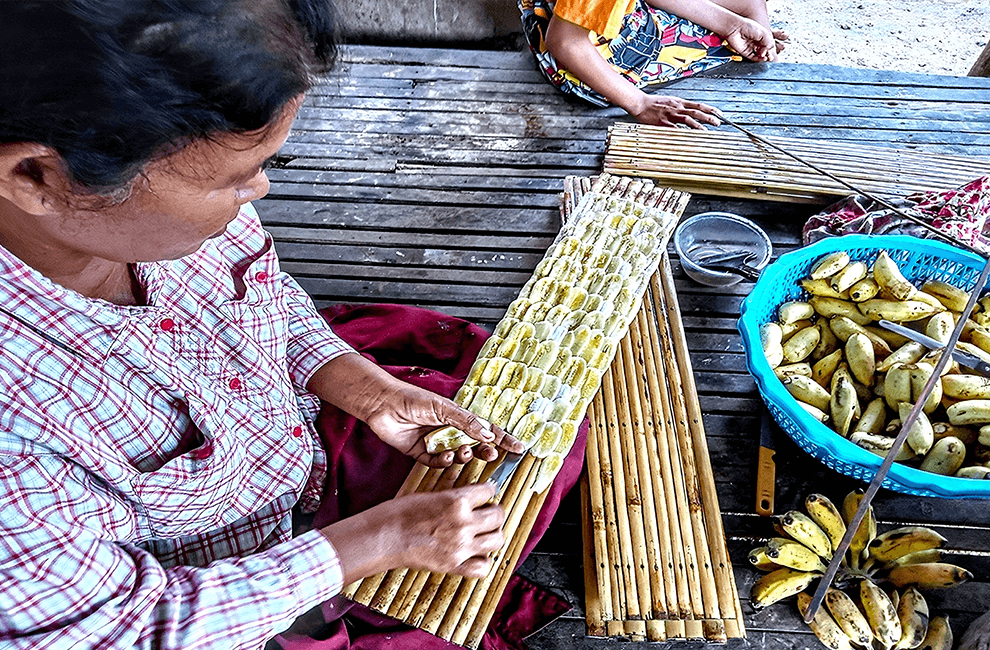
(912, 612)
(794, 310)
(794, 555)
(861, 358)
(790, 329)
(843, 405)
(945, 457)
(978, 472)
(807, 390)
(815, 412)
(952, 297)
(529, 428)
(928, 575)
(830, 307)
(824, 513)
(523, 406)
(880, 445)
(799, 346)
(847, 276)
(920, 373)
(867, 528)
(793, 369)
(899, 311)
(820, 288)
(971, 411)
(779, 584)
(823, 369)
(546, 354)
(873, 418)
(939, 634)
(966, 386)
(759, 559)
(922, 436)
(549, 436)
(889, 277)
(827, 341)
(824, 626)
(848, 616)
(829, 265)
(864, 289)
(918, 557)
(897, 385)
(504, 405)
(803, 528)
(892, 544)
(880, 612)
(940, 327)
(910, 352)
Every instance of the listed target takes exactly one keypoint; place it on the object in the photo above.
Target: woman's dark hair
(113, 84)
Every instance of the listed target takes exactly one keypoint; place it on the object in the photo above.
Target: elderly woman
(161, 376)
(619, 51)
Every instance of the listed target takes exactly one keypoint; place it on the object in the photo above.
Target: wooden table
(430, 177)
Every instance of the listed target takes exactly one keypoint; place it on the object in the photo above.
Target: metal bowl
(714, 235)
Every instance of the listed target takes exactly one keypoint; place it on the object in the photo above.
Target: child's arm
(572, 48)
(744, 24)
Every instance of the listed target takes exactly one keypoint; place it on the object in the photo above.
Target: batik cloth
(962, 214)
(651, 47)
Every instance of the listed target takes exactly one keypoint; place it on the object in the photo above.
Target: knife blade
(506, 468)
(964, 358)
(766, 469)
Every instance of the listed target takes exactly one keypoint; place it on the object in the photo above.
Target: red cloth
(434, 351)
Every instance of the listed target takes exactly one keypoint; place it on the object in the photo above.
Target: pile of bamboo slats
(460, 609)
(734, 165)
(657, 566)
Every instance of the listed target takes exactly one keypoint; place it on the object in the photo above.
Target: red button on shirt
(297, 431)
(167, 324)
(261, 276)
(235, 383)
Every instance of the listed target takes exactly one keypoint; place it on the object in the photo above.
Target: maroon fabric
(434, 351)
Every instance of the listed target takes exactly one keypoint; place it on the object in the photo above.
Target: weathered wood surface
(430, 177)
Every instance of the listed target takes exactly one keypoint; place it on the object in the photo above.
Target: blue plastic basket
(919, 260)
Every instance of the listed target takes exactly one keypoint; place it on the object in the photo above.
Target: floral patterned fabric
(653, 47)
(960, 213)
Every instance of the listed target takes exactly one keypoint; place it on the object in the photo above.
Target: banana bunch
(862, 380)
(542, 366)
(857, 610)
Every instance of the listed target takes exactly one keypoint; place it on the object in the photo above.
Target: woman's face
(181, 200)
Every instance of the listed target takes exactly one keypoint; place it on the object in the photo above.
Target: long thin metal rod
(840, 551)
(872, 197)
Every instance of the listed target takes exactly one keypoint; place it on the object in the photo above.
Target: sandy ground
(934, 37)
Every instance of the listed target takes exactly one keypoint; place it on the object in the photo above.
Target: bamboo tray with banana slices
(535, 377)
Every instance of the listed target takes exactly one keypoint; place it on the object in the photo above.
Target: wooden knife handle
(766, 477)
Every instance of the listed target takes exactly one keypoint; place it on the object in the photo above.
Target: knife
(505, 470)
(766, 469)
(964, 358)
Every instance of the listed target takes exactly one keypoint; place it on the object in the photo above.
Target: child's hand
(661, 110)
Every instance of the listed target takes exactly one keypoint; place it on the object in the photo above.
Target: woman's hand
(452, 531)
(661, 110)
(753, 41)
(406, 413)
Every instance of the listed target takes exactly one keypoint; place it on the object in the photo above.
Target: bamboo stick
(614, 625)
(658, 471)
(594, 609)
(596, 515)
(641, 419)
(637, 553)
(724, 577)
(626, 545)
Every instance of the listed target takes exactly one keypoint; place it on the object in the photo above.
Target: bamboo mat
(459, 609)
(657, 566)
(733, 165)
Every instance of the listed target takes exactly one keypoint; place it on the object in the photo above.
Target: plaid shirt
(150, 456)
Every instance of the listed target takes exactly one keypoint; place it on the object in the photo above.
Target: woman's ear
(32, 177)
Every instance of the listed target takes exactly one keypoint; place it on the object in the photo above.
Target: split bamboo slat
(656, 562)
(615, 237)
(734, 165)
